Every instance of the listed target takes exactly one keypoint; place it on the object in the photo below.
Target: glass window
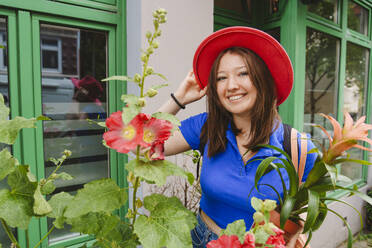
(242, 7)
(322, 67)
(4, 90)
(275, 32)
(69, 97)
(355, 94)
(357, 18)
(325, 8)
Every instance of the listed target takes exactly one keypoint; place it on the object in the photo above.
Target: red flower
(225, 242)
(155, 130)
(249, 241)
(157, 150)
(277, 240)
(120, 137)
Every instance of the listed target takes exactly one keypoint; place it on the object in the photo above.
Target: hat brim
(264, 45)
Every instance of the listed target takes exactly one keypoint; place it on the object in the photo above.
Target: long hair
(264, 114)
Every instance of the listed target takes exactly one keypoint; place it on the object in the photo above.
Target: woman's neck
(243, 123)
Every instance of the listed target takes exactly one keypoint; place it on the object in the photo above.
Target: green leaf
(237, 228)
(15, 210)
(4, 110)
(97, 196)
(168, 224)
(256, 204)
(332, 170)
(22, 182)
(350, 235)
(286, 210)
(7, 163)
(156, 87)
(9, 129)
(108, 229)
(43, 118)
(41, 206)
(313, 210)
(64, 176)
(358, 161)
(160, 75)
(59, 203)
(168, 117)
(321, 217)
(47, 188)
(129, 113)
(157, 171)
(261, 235)
(118, 78)
(130, 99)
(316, 172)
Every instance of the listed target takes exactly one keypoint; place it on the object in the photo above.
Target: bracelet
(176, 101)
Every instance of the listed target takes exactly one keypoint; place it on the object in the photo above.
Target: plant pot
(290, 227)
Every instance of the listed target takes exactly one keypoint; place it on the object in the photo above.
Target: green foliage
(7, 163)
(59, 203)
(168, 117)
(97, 196)
(168, 224)
(157, 171)
(236, 228)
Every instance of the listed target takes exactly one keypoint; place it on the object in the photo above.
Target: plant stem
(9, 233)
(135, 188)
(45, 236)
(27, 239)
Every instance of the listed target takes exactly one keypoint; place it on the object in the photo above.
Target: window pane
(357, 18)
(275, 32)
(322, 66)
(242, 7)
(69, 98)
(325, 8)
(50, 59)
(355, 92)
(4, 90)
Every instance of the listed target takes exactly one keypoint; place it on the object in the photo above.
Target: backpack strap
(287, 139)
(299, 164)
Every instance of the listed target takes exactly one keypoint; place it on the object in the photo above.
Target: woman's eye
(221, 78)
(244, 73)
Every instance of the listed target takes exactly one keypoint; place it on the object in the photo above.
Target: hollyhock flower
(155, 130)
(249, 241)
(120, 137)
(225, 242)
(157, 151)
(345, 138)
(277, 239)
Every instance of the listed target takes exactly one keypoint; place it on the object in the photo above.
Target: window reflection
(241, 7)
(73, 63)
(357, 18)
(322, 53)
(325, 8)
(355, 92)
(4, 90)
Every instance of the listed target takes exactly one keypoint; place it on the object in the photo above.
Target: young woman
(247, 74)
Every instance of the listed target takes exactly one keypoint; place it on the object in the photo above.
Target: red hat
(261, 43)
(93, 88)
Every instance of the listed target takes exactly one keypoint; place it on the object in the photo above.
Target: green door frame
(24, 73)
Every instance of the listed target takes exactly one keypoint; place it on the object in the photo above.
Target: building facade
(48, 49)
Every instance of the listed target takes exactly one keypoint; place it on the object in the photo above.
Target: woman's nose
(232, 83)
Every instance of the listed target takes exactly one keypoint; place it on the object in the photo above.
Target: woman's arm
(188, 92)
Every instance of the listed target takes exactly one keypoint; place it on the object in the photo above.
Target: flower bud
(53, 176)
(43, 181)
(129, 214)
(150, 50)
(258, 217)
(162, 11)
(63, 157)
(149, 70)
(143, 57)
(137, 78)
(141, 102)
(139, 203)
(152, 92)
(148, 35)
(158, 33)
(131, 178)
(269, 205)
(155, 44)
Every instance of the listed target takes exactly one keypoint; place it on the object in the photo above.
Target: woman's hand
(189, 90)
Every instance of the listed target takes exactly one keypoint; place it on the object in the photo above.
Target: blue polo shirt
(227, 184)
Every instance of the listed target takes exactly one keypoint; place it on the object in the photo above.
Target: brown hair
(264, 114)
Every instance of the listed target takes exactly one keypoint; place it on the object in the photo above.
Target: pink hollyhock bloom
(120, 137)
(157, 151)
(225, 242)
(345, 138)
(277, 240)
(155, 130)
(249, 241)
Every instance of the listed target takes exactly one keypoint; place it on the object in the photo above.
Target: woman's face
(235, 89)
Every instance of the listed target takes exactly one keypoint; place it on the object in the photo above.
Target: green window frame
(24, 75)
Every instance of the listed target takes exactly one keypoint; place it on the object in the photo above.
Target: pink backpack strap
(299, 165)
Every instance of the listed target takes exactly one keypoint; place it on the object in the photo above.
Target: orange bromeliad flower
(346, 137)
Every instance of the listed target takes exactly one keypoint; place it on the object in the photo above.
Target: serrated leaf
(9, 129)
(43, 118)
(237, 228)
(20, 183)
(261, 235)
(118, 78)
(41, 206)
(101, 195)
(168, 224)
(130, 99)
(15, 210)
(4, 110)
(169, 117)
(157, 171)
(47, 188)
(256, 203)
(129, 113)
(64, 176)
(59, 203)
(7, 163)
